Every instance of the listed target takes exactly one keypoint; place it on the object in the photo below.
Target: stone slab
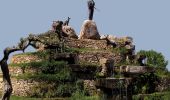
(136, 69)
(113, 83)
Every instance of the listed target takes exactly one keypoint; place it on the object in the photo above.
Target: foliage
(53, 89)
(121, 50)
(50, 90)
(154, 96)
(145, 83)
(46, 77)
(80, 95)
(29, 98)
(53, 67)
(49, 71)
(85, 63)
(45, 66)
(154, 59)
(162, 72)
(49, 37)
(41, 54)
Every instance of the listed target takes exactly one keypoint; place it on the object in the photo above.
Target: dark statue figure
(67, 21)
(91, 6)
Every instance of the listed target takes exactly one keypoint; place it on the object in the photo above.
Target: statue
(68, 30)
(89, 28)
(67, 22)
(91, 7)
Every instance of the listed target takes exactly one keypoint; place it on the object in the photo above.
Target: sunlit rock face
(107, 67)
(69, 31)
(89, 30)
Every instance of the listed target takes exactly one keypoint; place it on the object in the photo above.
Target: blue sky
(147, 21)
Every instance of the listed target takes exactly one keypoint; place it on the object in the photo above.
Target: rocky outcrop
(119, 41)
(89, 30)
(88, 44)
(107, 67)
(69, 31)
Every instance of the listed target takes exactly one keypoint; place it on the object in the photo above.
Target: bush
(81, 96)
(154, 59)
(145, 83)
(154, 96)
(51, 90)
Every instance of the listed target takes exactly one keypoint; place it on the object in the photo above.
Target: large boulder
(89, 30)
(69, 31)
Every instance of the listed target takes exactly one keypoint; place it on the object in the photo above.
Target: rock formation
(106, 63)
(69, 31)
(89, 30)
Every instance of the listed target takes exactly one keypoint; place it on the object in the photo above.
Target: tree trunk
(6, 80)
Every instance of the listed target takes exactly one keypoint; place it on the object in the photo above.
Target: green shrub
(154, 59)
(60, 77)
(145, 83)
(65, 90)
(51, 90)
(45, 66)
(41, 54)
(81, 96)
(154, 96)
(121, 50)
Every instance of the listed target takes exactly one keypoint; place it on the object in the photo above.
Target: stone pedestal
(89, 30)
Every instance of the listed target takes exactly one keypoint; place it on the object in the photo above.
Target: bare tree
(31, 40)
(5, 70)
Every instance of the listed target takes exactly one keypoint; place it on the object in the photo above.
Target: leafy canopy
(154, 59)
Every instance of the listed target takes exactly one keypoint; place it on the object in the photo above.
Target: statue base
(89, 30)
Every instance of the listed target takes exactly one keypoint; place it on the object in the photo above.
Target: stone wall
(88, 43)
(89, 57)
(17, 70)
(96, 50)
(95, 57)
(24, 58)
(20, 87)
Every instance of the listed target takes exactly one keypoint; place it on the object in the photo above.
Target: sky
(147, 21)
